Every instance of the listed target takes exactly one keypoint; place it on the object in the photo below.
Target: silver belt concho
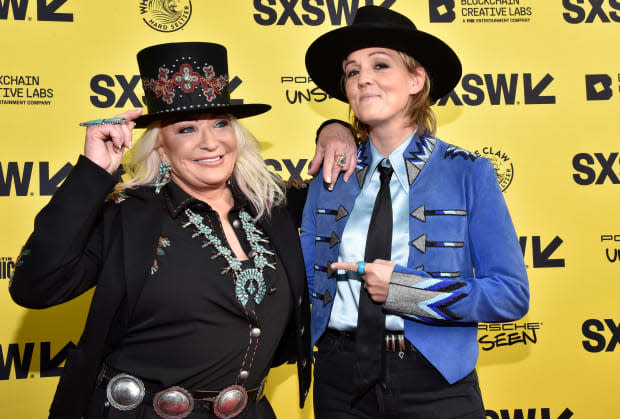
(230, 402)
(173, 403)
(125, 392)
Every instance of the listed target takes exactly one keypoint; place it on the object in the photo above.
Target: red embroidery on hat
(187, 79)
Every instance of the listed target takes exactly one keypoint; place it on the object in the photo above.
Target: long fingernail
(328, 180)
(345, 178)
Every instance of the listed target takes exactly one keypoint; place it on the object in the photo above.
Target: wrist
(329, 122)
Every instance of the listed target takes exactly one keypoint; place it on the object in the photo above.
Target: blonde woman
(200, 286)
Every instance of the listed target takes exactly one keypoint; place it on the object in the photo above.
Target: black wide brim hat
(375, 26)
(187, 78)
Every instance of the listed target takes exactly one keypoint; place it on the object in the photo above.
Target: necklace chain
(248, 282)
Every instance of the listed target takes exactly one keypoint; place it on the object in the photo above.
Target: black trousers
(412, 388)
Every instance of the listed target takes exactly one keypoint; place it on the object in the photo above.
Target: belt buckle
(125, 392)
(173, 403)
(230, 402)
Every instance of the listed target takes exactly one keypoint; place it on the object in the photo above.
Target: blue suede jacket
(465, 264)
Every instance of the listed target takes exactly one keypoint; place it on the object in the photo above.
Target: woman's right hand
(105, 144)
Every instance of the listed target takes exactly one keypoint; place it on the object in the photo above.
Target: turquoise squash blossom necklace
(249, 283)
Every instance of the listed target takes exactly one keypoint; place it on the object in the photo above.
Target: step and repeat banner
(539, 98)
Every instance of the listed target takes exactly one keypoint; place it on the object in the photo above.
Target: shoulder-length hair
(419, 109)
(263, 189)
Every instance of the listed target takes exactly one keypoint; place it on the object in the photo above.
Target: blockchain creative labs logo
(496, 335)
(611, 247)
(165, 15)
(601, 86)
(24, 89)
(481, 11)
(502, 164)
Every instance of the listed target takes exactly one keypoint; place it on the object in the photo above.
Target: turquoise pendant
(250, 283)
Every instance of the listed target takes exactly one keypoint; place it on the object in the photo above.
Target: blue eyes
(191, 129)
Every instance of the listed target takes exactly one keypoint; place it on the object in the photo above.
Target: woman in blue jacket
(409, 254)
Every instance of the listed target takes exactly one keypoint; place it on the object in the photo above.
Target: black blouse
(188, 327)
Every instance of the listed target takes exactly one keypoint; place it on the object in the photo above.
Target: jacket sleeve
(499, 290)
(61, 258)
(308, 229)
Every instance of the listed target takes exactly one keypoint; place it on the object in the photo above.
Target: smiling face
(202, 152)
(379, 86)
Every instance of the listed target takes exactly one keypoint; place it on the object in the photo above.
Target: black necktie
(370, 318)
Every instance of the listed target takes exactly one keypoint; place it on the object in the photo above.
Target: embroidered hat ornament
(375, 26)
(187, 78)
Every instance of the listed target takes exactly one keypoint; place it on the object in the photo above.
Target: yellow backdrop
(539, 97)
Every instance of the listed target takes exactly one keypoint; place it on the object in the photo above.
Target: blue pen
(94, 122)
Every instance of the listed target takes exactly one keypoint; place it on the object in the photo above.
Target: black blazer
(80, 241)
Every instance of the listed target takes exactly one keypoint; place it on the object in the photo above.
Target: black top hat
(376, 26)
(185, 78)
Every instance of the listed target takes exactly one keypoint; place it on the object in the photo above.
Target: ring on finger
(341, 159)
(361, 267)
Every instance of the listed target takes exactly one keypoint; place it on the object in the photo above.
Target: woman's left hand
(376, 277)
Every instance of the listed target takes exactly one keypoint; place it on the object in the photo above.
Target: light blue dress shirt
(346, 301)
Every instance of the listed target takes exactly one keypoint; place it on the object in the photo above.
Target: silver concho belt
(126, 392)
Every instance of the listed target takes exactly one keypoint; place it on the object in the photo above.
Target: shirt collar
(396, 159)
(177, 200)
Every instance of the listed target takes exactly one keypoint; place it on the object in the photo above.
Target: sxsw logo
(596, 169)
(501, 89)
(543, 413)
(46, 12)
(18, 357)
(579, 11)
(311, 12)
(441, 11)
(119, 90)
(600, 86)
(597, 339)
(541, 255)
(14, 177)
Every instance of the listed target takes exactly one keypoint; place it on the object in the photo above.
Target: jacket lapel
(141, 220)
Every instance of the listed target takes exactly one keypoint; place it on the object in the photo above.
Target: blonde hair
(419, 109)
(250, 175)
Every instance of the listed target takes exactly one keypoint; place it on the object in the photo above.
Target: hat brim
(325, 55)
(238, 111)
